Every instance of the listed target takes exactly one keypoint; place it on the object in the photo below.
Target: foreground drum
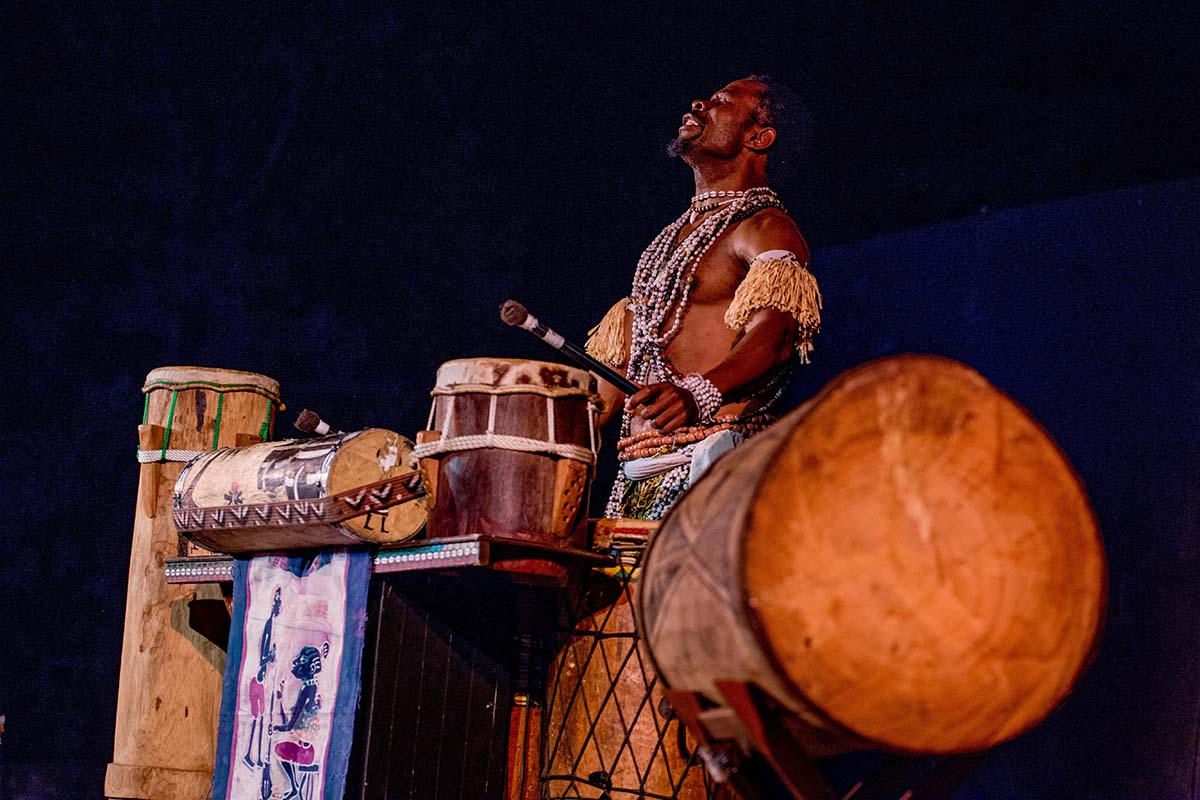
(170, 691)
(907, 562)
(300, 493)
(512, 451)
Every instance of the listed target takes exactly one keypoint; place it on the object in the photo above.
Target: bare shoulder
(769, 229)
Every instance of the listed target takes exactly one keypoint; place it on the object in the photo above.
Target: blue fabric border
(358, 578)
(229, 682)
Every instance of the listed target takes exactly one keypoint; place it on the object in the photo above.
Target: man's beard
(679, 147)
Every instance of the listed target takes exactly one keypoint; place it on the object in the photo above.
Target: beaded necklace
(662, 282)
(662, 285)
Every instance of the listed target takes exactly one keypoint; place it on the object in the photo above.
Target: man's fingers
(645, 395)
(639, 397)
(659, 406)
(673, 423)
(669, 412)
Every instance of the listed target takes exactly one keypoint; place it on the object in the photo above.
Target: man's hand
(667, 406)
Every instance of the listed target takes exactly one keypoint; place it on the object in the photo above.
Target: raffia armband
(778, 280)
(606, 342)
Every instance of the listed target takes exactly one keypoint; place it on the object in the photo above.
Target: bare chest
(703, 340)
(715, 278)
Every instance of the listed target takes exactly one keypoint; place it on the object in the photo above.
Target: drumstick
(516, 315)
(311, 422)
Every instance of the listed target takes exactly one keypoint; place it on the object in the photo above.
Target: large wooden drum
(170, 691)
(907, 562)
(511, 450)
(300, 493)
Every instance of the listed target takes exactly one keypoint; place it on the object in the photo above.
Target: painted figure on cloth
(723, 305)
(296, 754)
(266, 657)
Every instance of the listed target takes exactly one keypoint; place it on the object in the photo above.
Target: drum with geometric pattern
(610, 734)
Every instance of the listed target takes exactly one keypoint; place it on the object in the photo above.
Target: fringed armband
(606, 342)
(784, 284)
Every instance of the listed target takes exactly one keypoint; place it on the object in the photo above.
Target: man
(722, 302)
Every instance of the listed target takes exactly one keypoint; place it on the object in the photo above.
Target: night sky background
(340, 196)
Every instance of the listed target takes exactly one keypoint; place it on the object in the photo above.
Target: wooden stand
(460, 632)
(170, 691)
(749, 728)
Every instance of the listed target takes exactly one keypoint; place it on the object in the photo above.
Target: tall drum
(512, 452)
(610, 734)
(907, 562)
(170, 691)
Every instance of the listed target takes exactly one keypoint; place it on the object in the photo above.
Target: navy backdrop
(341, 201)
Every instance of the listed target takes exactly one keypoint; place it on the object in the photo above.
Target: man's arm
(764, 343)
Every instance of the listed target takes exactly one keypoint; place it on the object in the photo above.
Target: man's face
(716, 126)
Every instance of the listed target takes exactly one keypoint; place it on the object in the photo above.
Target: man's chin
(679, 147)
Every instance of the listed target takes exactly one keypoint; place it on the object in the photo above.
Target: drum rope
(603, 779)
(501, 441)
(520, 388)
(167, 453)
(217, 421)
(156, 456)
(593, 439)
(265, 430)
(170, 422)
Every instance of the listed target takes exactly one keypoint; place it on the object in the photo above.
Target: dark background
(340, 197)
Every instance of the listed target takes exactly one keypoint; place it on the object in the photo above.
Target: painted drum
(300, 493)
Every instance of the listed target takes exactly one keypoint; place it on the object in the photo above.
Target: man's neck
(729, 176)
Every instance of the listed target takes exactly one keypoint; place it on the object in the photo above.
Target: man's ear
(759, 139)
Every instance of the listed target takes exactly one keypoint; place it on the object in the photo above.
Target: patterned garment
(651, 497)
(293, 676)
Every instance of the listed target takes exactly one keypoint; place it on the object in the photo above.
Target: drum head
(513, 372)
(921, 561)
(178, 378)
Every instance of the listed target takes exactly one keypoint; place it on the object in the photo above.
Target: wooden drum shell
(493, 491)
(907, 562)
(170, 688)
(609, 735)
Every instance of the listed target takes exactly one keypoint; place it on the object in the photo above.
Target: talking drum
(512, 452)
(906, 562)
(340, 489)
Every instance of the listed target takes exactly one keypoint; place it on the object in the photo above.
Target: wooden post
(167, 705)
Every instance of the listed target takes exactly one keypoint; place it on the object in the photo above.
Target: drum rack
(738, 737)
(533, 562)
(425, 622)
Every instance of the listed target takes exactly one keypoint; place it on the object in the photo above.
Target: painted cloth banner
(293, 676)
